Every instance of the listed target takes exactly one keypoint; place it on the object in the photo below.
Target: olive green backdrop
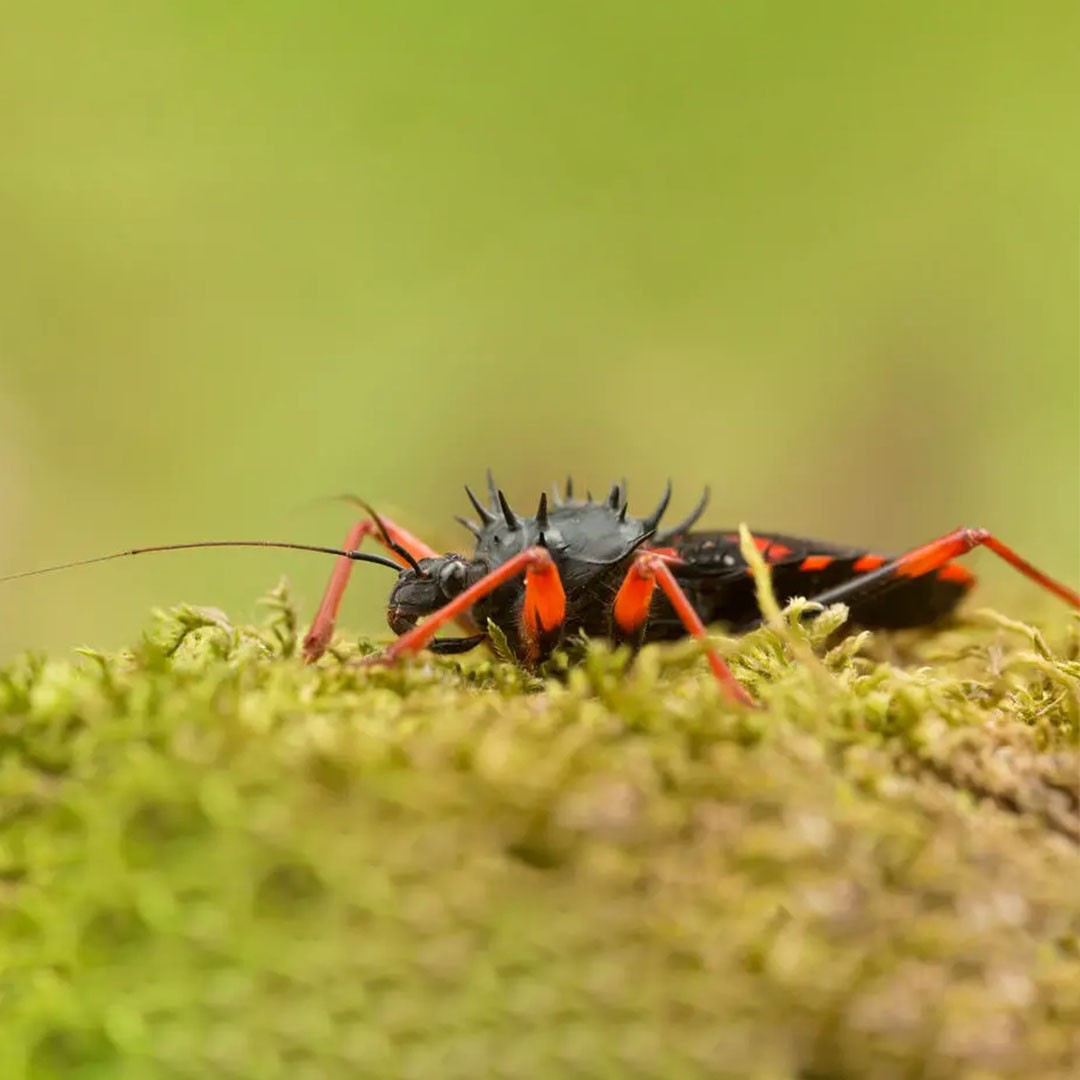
(821, 256)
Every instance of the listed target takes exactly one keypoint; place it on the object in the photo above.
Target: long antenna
(357, 556)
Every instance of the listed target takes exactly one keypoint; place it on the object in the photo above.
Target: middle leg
(649, 569)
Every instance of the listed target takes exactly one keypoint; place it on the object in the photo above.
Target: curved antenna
(390, 542)
(667, 535)
(356, 556)
(654, 518)
(355, 500)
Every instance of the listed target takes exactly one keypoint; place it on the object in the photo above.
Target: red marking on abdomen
(771, 549)
(816, 562)
(868, 562)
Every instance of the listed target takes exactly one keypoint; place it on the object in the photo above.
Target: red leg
(542, 614)
(631, 610)
(937, 554)
(322, 628)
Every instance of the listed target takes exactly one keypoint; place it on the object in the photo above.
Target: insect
(585, 565)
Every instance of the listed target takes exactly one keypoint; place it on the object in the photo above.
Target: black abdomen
(718, 583)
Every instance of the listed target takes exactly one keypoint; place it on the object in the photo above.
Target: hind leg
(936, 558)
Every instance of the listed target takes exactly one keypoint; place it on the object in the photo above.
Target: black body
(593, 545)
(715, 578)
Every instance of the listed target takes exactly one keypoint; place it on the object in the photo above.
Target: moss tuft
(217, 862)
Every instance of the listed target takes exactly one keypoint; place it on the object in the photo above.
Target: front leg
(542, 613)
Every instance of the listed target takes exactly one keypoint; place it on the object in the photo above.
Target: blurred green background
(823, 257)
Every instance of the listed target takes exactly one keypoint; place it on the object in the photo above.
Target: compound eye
(452, 578)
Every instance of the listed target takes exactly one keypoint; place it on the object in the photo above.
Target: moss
(215, 861)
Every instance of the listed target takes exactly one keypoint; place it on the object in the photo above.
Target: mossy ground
(218, 862)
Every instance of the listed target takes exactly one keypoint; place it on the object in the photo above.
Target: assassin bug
(581, 565)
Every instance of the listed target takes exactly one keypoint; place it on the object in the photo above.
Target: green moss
(217, 862)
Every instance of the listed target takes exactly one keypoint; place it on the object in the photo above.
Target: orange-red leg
(631, 610)
(542, 613)
(935, 555)
(322, 628)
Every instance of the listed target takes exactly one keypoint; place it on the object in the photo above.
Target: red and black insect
(581, 565)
